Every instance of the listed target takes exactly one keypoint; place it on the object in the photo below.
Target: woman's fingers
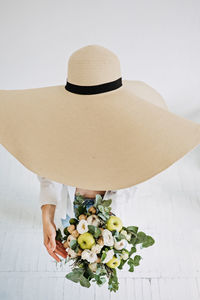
(52, 239)
(60, 246)
(61, 252)
(59, 243)
(54, 255)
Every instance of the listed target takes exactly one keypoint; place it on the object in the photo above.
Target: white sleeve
(50, 191)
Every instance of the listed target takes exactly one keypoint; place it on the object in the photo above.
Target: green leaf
(101, 270)
(59, 235)
(107, 202)
(149, 241)
(99, 279)
(84, 281)
(98, 200)
(121, 264)
(66, 232)
(103, 217)
(73, 244)
(103, 256)
(131, 264)
(94, 230)
(131, 269)
(132, 229)
(107, 209)
(75, 275)
(121, 237)
(136, 260)
(79, 210)
(133, 250)
(101, 208)
(113, 283)
(133, 240)
(141, 237)
(73, 221)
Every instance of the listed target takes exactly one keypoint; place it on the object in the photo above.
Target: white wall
(156, 41)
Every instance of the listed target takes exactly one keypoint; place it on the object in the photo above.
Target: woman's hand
(49, 233)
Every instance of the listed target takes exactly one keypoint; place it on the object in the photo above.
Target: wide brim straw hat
(98, 131)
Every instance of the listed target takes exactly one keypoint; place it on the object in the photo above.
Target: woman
(56, 202)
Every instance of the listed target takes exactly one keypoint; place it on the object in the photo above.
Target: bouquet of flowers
(98, 244)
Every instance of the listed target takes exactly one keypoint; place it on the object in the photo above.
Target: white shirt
(61, 195)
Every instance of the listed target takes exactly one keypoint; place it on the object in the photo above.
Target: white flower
(70, 238)
(89, 256)
(93, 220)
(108, 238)
(96, 248)
(126, 234)
(109, 256)
(93, 267)
(125, 255)
(72, 253)
(82, 226)
(120, 245)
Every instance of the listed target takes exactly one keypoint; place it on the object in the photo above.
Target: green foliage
(66, 232)
(132, 229)
(73, 244)
(103, 256)
(84, 281)
(100, 275)
(73, 221)
(122, 263)
(136, 260)
(133, 250)
(79, 210)
(94, 230)
(77, 275)
(131, 265)
(103, 207)
(113, 283)
(59, 236)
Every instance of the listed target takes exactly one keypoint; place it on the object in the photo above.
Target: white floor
(166, 206)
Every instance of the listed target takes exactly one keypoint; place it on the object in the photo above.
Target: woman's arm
(50, 192)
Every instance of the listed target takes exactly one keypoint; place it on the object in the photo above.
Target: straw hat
(97, 132)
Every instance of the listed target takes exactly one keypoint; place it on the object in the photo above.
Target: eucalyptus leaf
(75, 275)
(98, 200)
(149, 241)
(122, 263)
(102, 216)
(84, 281)
(73, 244)
(141, 237)
(133, 250)
(94, 230)
(103, 256)
(107, 202)
(132, 229)
(136, 260)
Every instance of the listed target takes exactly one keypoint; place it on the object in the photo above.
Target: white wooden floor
(166, 206)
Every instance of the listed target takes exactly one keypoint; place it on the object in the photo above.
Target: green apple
(113, 263)
(86, 240)
(114, 223)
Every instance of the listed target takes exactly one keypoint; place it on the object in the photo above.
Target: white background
(157, 42)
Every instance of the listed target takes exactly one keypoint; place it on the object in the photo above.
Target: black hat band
(93, 89)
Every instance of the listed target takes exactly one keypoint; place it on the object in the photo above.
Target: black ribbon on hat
(93, 89)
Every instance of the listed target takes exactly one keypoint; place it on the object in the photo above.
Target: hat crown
(93, 65)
